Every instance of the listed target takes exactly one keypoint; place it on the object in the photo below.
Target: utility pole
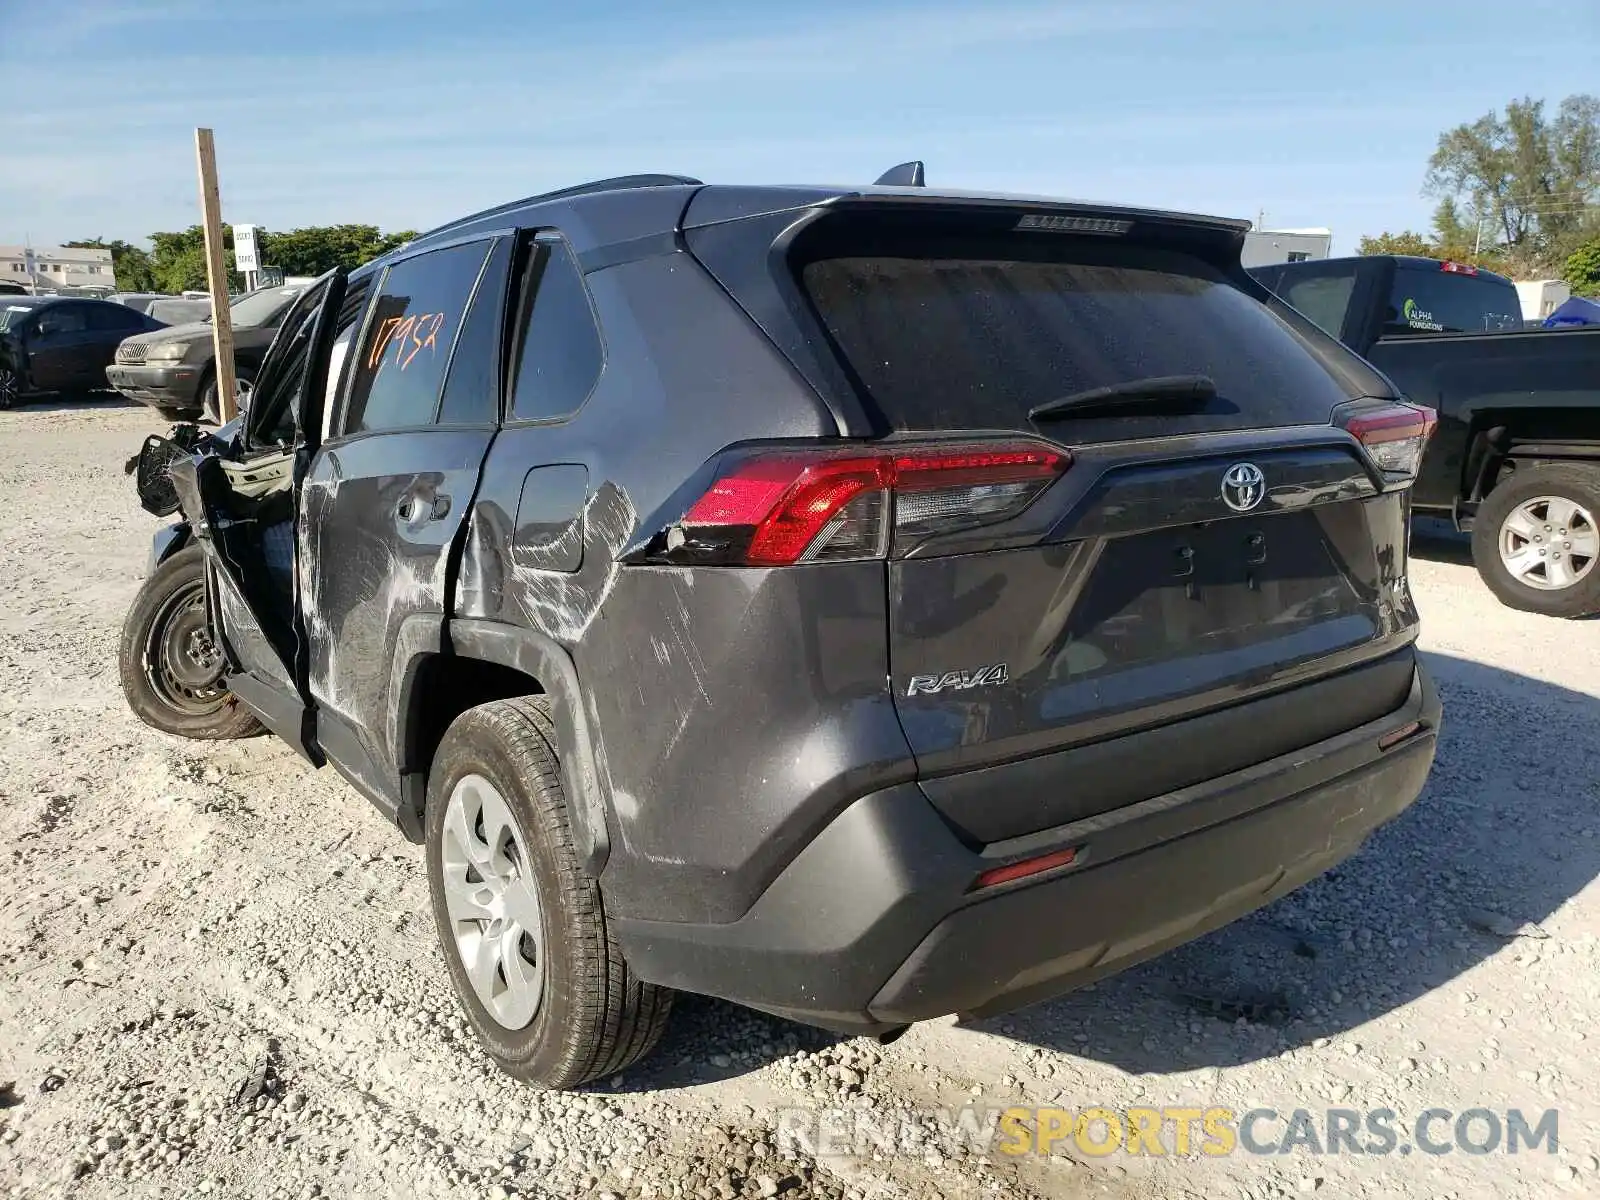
(216, 276)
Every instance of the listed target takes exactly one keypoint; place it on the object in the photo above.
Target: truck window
(1427, 299)
(1322, 298)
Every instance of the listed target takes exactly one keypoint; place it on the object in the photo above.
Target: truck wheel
(170, 664)
(523, 928)
(1536, 540)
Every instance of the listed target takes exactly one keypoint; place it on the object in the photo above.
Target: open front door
(242, 501)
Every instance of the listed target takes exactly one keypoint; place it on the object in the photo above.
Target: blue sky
(406, 114)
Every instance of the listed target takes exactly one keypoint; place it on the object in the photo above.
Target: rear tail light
(1394, 436)
(784, 507)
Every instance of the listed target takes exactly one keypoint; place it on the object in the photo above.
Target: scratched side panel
(671, 669)
(367, 570)
(743, 710)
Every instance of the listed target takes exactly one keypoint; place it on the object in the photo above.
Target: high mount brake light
(794, 506)
(1394, 436)
(1456, 268)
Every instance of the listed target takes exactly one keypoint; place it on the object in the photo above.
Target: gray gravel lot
(218, 974)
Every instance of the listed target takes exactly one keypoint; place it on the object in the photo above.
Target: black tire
(595, 1018)
(208, 394)
(1576, 483)
(168, 686)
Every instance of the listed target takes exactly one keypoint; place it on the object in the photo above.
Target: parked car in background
(861, 604)
(59, 345)
(180, 310)
(1516, 459)
(10, 287)
(176, 372)
(138, 301)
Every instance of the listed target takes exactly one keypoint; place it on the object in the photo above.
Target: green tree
(179, 260)
(1406, 242)
(1583, 269)
(316, 249)
(129, 264)
(1529, 182)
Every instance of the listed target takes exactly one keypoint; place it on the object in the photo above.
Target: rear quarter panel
(676, 666)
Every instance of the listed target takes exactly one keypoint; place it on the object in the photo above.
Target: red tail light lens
(995, 876)
(795, 506)
(1456, 268)
(1394, 436)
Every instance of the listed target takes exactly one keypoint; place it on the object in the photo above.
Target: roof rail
(906, 174)
(616, 184)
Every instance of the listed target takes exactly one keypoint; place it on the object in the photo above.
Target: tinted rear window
(955, 341)
(1429, 300)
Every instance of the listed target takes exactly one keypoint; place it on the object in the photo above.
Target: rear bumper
(873, 924)
(159, 387)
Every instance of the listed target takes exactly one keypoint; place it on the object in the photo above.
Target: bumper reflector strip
(1021, 870)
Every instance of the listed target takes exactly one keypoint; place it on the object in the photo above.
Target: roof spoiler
(906, 174)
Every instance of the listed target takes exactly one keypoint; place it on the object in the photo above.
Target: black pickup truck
(1516, 456)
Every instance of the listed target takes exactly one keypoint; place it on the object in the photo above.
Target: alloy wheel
(1549, 543)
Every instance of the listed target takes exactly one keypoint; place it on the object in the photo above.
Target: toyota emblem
(1243, 486)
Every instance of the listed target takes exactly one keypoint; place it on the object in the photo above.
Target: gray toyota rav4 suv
(864, 604)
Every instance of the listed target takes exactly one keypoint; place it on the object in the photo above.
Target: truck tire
(523, 928)
(171, 666)
(1536, 543)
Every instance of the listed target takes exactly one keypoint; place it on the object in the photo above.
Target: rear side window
(472, 390)
(113, 318)
(1322, 299)
(1428, 299)
(415, 319)
(561, 355)
(973, 336)
(65, 318)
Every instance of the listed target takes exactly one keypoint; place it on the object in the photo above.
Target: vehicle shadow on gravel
(1498, 841)
(1437, 541)
(710, 1039)
(95, 403)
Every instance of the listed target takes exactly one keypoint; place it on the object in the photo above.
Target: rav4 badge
(957, 681)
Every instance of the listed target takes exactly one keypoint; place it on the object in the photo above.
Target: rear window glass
(970, 340)
(1322, 297)
(1429, 300)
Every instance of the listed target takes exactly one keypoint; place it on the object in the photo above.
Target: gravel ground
(218, 974)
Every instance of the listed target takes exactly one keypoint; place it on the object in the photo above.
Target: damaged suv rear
(861, 604)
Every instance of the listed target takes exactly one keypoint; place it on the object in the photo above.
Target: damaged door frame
(239, 602)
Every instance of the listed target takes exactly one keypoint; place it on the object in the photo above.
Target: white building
(1263, 247)
(1541, 297)
(57, 268)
